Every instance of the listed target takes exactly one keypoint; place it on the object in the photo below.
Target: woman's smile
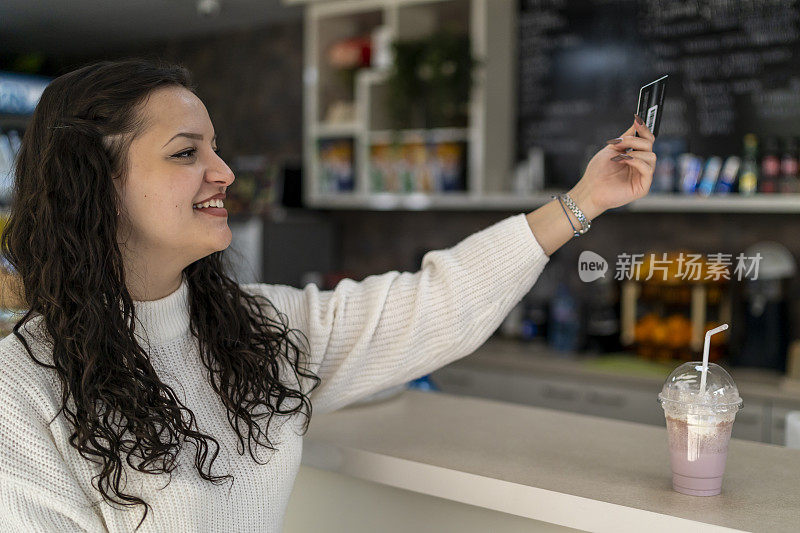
(213, 206)
(215, 211)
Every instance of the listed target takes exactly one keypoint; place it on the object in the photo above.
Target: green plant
(431, 80)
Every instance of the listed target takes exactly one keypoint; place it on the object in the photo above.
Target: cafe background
(364, 134)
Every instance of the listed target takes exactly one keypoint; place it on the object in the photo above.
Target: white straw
(723, 327)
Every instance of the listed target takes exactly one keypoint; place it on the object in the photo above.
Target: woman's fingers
(637, 159)
(645, 177)
(621, 144)
(633, 137)
(643, 131)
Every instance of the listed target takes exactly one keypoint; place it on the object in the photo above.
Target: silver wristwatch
(585, 222)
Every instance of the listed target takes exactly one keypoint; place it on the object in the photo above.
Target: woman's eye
(189, 153)
(185, 154)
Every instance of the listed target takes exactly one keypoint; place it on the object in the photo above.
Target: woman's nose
(221, 172)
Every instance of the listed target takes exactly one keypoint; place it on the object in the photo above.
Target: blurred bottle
(529, 175)
(690, 167)
(16, 140)
(710, 175)
(527, 321)
(727, 177)
(664, 176)
(534, 321)
(8, 155)
(748, 179)
(770, 166)
(535, 314)
(602, 320)
(6, 151)
(564, 325)
(424, 383)
(788, 183)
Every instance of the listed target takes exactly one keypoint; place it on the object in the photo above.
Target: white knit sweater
(364, 337)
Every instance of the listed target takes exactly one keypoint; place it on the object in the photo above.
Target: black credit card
(651, 103)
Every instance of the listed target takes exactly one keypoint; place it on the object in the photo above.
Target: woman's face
(172, 165)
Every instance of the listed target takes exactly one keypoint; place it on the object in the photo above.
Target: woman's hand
(607, 183)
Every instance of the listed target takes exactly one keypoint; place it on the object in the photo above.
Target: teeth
(215, 203)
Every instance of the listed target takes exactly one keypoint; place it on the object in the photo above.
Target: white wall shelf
(406, 136)
(731, 203)
(489, 134)
(348, 129)
(654, 203)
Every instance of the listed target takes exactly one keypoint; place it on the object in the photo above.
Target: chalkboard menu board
(733, 66)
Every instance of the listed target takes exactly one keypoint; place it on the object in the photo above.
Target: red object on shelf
(355, 52)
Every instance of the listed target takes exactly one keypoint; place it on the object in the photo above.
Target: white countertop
(563, 468)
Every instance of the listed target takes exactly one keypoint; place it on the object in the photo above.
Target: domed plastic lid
(682, 389)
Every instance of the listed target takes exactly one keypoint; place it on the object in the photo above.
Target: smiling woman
(130, 307)
(128, 138)
(172, 166)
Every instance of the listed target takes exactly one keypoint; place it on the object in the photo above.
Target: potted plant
(431, 81)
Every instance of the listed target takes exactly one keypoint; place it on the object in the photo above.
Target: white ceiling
(73, 27)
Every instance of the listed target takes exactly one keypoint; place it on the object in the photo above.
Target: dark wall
(375, 242)
(249, 80)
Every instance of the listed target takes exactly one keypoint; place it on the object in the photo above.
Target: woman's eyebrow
(195, 136)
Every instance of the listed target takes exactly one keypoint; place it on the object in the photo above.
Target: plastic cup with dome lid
(700, 402)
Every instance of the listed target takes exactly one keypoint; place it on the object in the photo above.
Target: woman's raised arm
(605, 184)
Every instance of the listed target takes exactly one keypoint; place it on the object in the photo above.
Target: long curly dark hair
(61, 239)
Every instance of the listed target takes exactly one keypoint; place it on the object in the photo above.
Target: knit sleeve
(38, 493)
(391, 328)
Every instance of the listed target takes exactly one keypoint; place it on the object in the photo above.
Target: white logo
(591, 266)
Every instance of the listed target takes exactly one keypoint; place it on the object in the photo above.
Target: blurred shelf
(730, 203)
(396, 201)
(655, 203)
(435, 135)
(344, 129)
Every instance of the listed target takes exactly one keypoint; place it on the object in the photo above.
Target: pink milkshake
(699, 423)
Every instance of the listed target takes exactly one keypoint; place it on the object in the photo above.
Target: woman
(136, 342)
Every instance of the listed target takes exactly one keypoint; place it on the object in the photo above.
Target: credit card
(651, 103)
